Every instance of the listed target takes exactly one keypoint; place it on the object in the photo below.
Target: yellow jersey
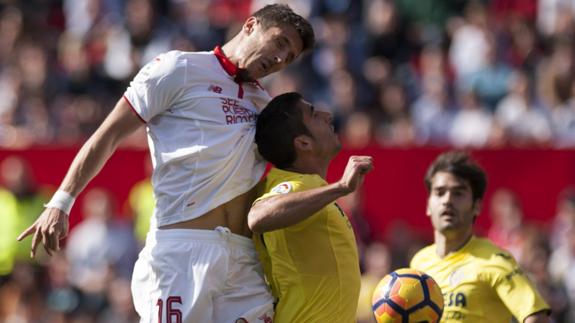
(312, 266)
(480, 283)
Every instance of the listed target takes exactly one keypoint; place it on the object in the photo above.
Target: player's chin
(447, 226)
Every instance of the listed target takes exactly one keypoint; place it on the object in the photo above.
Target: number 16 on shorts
(173, 315)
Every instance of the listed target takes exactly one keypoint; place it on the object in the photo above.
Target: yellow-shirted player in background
(305, 241)
(480, 282)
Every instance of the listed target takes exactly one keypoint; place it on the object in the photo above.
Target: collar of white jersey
(232, 69)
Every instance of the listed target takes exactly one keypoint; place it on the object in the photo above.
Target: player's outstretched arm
(540, 317)
(52, 225)
(283, 210)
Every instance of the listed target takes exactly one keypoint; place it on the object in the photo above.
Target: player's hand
(49, 228)
(355, 171)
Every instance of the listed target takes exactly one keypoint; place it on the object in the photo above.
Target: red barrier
(394, 190)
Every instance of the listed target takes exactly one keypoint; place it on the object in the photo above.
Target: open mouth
(448, 213)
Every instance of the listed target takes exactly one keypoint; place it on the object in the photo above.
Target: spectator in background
(472, 124)
(535, 251)
(141, 203)
(506, 221)
(20, 200)
(394, 126)
(469, 48)
(524, 123)
(433, 113)
(357, 131)
(20, 298)
(491, 82)
(376, 264)
(562, 238)
(102, 246)
(143, 36)
(120, 308)
(555, 17)
(562, 269)
(520, 48)
(387, 32)
(563, 121)
(555, 72)
(564, 218)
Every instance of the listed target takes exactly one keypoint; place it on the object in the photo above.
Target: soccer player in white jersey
(200, 109)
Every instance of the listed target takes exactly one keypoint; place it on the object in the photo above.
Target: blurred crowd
(464, 73)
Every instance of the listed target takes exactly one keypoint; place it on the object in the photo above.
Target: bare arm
(52, 225)
(284, 210)
(539, 317)
(121, 122)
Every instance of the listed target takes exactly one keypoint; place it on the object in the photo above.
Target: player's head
(271, 39)
(456, 185)
(290, 127)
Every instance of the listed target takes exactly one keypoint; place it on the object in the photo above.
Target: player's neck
(305, 165)
(230, 51)
(448, 243)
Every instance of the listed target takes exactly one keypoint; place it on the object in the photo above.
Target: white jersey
(201, 127)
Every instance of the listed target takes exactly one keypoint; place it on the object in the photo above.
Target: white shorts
(198, 276)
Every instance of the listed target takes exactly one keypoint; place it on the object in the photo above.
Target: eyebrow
(454, 187)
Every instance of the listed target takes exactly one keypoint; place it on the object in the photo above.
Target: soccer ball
(407, 295)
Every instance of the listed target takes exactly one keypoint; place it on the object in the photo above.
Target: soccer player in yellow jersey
(480, 282)
(304, 240)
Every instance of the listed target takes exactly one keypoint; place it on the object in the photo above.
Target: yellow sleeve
(293, 185)
(514, 288)
(284, 187)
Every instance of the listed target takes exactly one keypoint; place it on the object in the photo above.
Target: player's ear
(249, 25)
(303, 143)
(477, 205)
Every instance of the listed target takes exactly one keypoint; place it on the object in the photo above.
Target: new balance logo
(215, 89)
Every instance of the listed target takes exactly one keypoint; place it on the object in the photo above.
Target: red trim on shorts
(133, 109)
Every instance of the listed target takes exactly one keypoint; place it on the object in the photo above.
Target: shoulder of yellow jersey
(492, 255)
(423, 256)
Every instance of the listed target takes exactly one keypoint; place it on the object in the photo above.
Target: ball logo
(282, 188)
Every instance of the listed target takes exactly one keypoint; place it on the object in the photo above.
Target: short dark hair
(462, 166)
(276, 128)
(282, 15)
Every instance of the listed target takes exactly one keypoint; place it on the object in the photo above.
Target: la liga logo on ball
(407, 296)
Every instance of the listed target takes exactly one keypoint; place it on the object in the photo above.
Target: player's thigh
(247, 297)
(174, 283)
